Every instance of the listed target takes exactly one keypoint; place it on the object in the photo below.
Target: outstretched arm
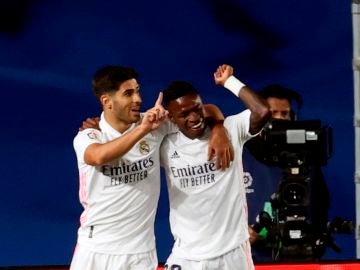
(260, 113)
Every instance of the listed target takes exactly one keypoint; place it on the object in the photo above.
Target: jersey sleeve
(83, 139)
(169, 127)
(240, 123)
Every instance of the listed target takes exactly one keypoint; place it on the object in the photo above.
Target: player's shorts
(84, 259)
(236, 259)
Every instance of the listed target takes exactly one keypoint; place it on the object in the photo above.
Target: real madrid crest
(92, 135)
(144, 147)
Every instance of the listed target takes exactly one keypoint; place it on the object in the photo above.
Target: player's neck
(116, 123)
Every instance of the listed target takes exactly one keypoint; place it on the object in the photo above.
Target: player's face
(279, 108)
(187, 113)
(126, 102)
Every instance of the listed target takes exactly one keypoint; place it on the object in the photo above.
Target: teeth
(198, 125)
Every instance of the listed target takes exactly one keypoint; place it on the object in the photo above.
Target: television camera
(299, 148)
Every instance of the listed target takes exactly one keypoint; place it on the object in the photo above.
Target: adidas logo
(175, 155)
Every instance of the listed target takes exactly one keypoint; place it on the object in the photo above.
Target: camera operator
(262, 180)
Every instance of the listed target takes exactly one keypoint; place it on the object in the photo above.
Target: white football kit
(119, 198)
(208, 210)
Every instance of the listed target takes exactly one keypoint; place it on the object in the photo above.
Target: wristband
(234, 85)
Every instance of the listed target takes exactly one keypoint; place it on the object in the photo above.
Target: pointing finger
(159, 99)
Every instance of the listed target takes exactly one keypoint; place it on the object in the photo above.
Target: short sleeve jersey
(208, 211)
(119, 198)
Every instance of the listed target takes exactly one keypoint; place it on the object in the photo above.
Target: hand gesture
(220, 147)
(222, 73)
(155, 116)
(90, 123)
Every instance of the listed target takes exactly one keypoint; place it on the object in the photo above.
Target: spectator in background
(262, 180)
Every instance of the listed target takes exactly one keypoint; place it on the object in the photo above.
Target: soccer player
(208, 210)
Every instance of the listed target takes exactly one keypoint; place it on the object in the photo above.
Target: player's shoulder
(241, 115)
(165, 128)
(88, 134)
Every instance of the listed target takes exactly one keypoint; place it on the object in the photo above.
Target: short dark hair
(177, 89)
(109, 78)
(281, 92)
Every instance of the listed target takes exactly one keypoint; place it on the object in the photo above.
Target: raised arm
(100, 153)
(260, 113)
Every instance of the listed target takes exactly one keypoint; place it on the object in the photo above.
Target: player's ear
(106, 101)
(171, 117)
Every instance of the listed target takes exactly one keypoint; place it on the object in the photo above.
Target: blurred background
(49, 51)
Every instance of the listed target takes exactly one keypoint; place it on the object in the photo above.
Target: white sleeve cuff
(234, 85)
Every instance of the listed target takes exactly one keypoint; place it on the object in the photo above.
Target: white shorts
(236, 259)
(84, 259)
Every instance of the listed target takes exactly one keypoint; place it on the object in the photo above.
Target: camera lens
(294, 194)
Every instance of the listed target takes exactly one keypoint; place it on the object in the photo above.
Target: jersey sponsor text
(193, 176)
(128, 173)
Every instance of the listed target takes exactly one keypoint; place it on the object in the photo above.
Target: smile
(198, 125)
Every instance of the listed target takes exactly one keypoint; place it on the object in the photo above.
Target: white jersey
(119, 198)
(208, 211)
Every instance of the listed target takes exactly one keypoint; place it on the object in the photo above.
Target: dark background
(49, 51)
